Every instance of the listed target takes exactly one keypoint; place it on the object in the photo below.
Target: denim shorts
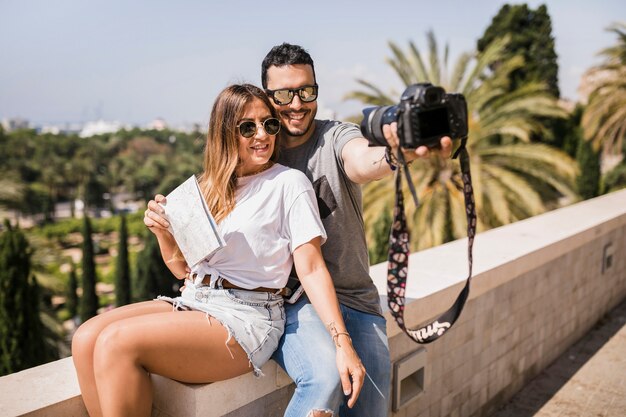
(255, 319)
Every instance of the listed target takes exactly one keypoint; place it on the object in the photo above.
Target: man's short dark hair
(285, 54)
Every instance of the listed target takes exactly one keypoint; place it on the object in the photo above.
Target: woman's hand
(351, 370)
(154, 216)
(156, 220)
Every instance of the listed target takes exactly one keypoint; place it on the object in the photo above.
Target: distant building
(157, 124)
(50, 129)
(99, 127)
(60, 128)
(14, 123)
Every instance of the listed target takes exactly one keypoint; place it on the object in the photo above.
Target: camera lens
(373, 120)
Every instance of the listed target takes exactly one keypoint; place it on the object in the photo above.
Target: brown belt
(230, 286)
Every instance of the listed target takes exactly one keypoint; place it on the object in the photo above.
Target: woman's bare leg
(84, 341)
(186, 346)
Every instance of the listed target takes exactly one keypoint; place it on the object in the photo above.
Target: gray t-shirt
(341, 208)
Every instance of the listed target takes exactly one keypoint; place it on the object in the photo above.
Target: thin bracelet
(332, 329)
(390, 159)
(336, 338)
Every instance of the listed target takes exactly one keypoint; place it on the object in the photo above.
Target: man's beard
(300, 132)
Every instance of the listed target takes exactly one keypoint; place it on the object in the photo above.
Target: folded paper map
(191, 223)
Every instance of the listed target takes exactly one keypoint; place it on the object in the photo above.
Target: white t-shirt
(276, 211)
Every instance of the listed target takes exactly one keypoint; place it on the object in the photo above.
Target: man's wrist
(336, 334)
(390, 158)
(342, 340)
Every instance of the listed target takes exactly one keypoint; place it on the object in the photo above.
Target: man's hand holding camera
(390, 132)
(426, 118)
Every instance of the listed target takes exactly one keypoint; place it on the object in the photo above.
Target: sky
(133, 61)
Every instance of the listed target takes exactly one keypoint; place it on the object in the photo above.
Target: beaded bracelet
(390, 159)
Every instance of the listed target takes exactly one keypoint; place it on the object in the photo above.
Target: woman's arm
(319, 288)
(157, 224)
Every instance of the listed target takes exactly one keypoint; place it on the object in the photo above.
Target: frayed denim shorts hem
(255, 319)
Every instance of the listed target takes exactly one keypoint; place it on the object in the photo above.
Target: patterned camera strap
(399, 255)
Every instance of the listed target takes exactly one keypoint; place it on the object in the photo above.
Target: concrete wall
(539, 285)
(508, 334)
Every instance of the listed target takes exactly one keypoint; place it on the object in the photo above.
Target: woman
(229, 317)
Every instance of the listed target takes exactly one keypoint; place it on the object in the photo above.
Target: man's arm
(363, 163)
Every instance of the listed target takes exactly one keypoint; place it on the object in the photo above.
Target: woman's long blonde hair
(218, 182)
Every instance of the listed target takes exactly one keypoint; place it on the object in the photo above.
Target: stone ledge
(52, 390)
(35, 391)
(217, 399)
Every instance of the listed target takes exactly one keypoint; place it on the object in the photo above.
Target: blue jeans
(307, 353)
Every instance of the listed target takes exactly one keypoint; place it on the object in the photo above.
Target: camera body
(425, 114)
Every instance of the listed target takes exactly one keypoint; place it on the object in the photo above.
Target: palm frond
(434, 75)
(417, 65)
(376, 97)
(604, 120)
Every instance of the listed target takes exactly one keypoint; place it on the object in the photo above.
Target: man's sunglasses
(284, 96)
(248, 128)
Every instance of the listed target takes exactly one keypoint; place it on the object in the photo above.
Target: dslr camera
(425, 114)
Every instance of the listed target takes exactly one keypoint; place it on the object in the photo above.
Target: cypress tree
(588, 181)
(153, 276)
(530, 32)
(89, 299)
(122, 269)
(531, 37)
(71, 301)
(34, 340)
(22, 344)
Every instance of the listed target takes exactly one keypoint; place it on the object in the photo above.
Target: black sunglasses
(248, 128)
(284, 96)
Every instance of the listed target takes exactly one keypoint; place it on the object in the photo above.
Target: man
(337, 160)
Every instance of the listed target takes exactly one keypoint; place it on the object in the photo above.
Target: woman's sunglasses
(284, 96)
(248, 128)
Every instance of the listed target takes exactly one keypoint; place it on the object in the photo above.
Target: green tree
(89, 298)
(38, 200)
(588, 181)
(71, 301)
(604, 119)
(12, 192)
(122, 269)
(22, 342)
(513, 178)
(615, 179)
(153, 276)
(531, 37)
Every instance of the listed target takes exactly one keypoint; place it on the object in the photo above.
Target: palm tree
(604, 119)
(513, 178)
